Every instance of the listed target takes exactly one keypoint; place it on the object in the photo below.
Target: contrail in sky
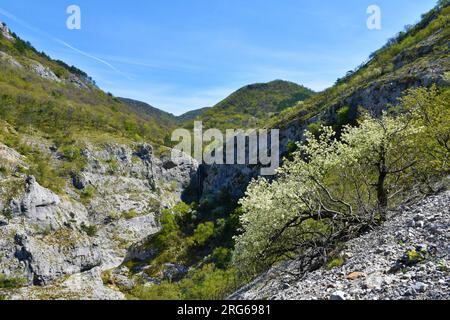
(61, 42)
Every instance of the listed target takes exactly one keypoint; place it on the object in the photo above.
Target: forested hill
(248, 107)
(165, 119)
(62, 101)
(191, 115)
(416, 56)
(252, 105)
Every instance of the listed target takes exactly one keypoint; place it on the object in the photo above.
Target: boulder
(338, 296)
(37, 204)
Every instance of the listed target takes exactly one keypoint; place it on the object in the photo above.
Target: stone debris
(401, 260)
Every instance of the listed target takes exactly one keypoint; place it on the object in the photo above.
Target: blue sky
(180, 55)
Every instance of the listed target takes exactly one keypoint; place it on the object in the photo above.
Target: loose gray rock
(338, 296)
(407, 265)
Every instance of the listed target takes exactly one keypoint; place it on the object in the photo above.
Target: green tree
(203, 233)
(430, 109)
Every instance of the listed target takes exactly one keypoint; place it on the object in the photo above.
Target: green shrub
(43, 169)
(170, 233)
(203, 233)
(107, 277)
(88, 193)
(207, 283)
(164, 291)
(90, 230)
(4, 170)
(413, 257)
(70, 152)
(7, 213)
(130, 214)
(113, 166)
(335, 263)
(345, 116)
(74, 160)
(11, 282)
(292, 147)
(221, 257)
(315, 128)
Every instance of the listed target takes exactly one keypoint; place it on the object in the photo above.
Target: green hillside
(250, 106)
(191, 115)
(417, 56)
(62, 102)
(165, 119)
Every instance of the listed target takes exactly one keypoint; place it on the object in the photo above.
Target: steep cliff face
(58, 245)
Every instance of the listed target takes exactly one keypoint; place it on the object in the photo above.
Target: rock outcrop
(9, 60)
(4, 30)
(44, 72)
(42, 238)
(59, 245)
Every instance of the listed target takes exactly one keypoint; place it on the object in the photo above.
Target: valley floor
(407, 258)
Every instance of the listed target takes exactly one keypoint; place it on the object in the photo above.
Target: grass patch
(91, 230)
(130, 214)
(88, 193)
(11, 282)
(335, 263)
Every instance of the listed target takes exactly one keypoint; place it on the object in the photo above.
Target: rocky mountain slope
(407, 258)
(60, 243)
(78, 184)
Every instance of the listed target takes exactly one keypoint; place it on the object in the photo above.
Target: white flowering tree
(331, 190)
(430, 108)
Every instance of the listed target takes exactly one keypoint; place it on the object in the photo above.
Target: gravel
(405, 259)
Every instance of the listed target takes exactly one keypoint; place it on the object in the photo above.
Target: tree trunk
(382, 193)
